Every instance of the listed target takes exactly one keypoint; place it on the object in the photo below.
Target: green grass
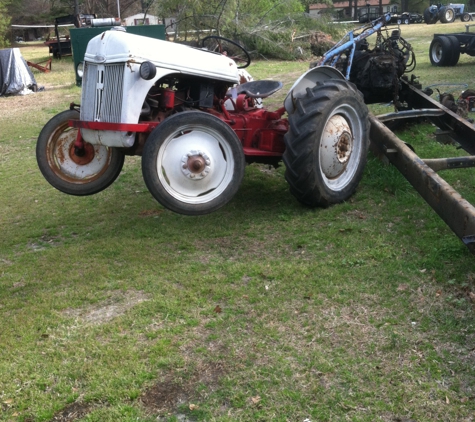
(115, 309)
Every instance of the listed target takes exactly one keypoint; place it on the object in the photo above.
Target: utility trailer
(445, 49)
(195, 122)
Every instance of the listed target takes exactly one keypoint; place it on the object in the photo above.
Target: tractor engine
(376, 71)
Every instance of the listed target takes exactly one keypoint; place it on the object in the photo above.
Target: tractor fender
(308, 80)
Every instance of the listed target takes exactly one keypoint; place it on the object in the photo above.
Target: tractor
(446, 13)
(186, 112)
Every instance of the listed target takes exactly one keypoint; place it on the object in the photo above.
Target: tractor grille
(102, 91)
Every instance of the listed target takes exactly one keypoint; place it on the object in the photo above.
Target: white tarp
(16, 77)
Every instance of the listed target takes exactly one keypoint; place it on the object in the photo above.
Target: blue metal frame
(331, 56)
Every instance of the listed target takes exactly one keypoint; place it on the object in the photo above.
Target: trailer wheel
(193, 163)
(455, 50)
(327, 144)
(441, 51)
(446, 14)
(75, 174)
(466, 17)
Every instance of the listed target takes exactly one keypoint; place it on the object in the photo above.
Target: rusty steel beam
(456, 212)
(459, 129)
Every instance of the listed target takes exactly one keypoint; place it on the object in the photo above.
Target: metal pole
(118, 9)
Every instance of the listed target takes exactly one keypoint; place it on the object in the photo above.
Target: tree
(225, 15)
(4, 23)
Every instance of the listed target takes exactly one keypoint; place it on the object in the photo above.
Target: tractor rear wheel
(74, 172)
(327, 144)
(446, 14)
(429, 17)
(193, 163)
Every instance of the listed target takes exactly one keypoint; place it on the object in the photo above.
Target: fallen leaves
(255, 400)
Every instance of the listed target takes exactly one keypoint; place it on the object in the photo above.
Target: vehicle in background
(445, 49)
(407, 18)
(446, 13)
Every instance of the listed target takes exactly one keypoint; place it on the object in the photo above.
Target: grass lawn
(116, 309)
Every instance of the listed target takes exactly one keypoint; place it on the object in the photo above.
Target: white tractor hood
(116, 46)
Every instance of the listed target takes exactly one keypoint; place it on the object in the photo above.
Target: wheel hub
(83, 157)
(195, 165)
(343, 147)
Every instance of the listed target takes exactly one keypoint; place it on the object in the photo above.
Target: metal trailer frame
(457, 213)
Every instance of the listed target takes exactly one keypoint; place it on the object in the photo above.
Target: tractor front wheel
(327, 144)
(75, 171)
(193, 163)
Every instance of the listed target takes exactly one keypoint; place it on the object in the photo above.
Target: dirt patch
(44, 242)
(150, 213)
(117, 304)
(73, 412)
(181, 388)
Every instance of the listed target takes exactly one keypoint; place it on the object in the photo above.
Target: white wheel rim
(340, 147)
(437, 52)
(64, 165)
(195, 164)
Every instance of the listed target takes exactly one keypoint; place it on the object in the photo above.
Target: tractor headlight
(147, 71)
(80, 69)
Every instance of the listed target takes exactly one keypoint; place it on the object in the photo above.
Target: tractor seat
(255, 89)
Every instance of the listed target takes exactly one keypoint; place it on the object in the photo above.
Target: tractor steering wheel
(229, 48)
